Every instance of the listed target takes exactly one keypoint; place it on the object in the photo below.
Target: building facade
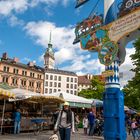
(57, 80)
(84, 82)
(19, 75)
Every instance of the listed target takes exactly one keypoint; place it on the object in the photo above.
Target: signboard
(108, 73)
(80, 2)
(124, 26)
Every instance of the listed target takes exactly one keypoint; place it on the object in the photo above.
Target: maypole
(113, 98)
(108, 36)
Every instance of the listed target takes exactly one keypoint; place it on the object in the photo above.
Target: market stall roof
(97, 102)
(21, 94)
(46, 99)
(75, 101)
(5, 94)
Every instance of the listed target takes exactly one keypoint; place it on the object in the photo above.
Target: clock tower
(49, 60)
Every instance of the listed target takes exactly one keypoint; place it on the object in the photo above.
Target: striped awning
(46, 99)
(5, 94)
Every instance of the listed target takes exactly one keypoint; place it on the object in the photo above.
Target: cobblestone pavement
(45, 136)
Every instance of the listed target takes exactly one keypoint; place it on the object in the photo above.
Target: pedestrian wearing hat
(65, 122)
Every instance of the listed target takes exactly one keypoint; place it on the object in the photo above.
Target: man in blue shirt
(91, 120)
(17, 120)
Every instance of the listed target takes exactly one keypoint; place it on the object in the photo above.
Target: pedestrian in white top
(65, 122)
(85, 124)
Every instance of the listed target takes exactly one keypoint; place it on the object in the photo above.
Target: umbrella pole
(3, 115)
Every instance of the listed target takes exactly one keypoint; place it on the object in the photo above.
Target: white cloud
(9, 6)
(126, 67)
(71, 55)
(14, 21)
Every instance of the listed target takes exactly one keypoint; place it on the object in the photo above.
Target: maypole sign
(124, 26)
(104, 39)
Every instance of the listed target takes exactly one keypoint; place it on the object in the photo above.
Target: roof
(57, 71)
(72, 98)
(84, 80)
(19, 64)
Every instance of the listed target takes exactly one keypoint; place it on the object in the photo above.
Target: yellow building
(19, 75)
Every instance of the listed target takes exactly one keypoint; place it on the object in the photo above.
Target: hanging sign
(80, 2)
(108, 73)
(124, 26)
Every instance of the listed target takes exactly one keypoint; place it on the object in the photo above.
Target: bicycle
(39, 125)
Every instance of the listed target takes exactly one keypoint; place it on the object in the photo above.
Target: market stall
(35, 107)
(4, 95)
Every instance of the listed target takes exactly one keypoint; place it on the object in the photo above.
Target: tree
(96, 90)
(132, 89)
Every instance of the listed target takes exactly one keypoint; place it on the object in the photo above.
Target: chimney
(31, 64)
(88, 76)
(4, 55)
(16, 59)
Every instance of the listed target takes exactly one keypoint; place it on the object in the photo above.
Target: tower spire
(50, 37)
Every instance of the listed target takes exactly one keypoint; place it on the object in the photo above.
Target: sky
(25, 26)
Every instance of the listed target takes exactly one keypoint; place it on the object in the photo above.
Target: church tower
(49, 60)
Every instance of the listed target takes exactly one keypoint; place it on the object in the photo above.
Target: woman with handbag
(65, 122)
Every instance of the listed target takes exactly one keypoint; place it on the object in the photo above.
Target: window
(55, 84)
(23, 83)
(46, 90)
(54, 90)
(67, 91)
(59, 84)
(47, 77)
(55, 78)
(75, 92)
(67, 85)
(24, 73)
(31, 84)
(75, 80)
(59, 89)
(46, 83)
(71, 91)
(51, 77)
(38, 85)
(15, 71)
(5, 79)
(6, 69)
(14, 81)
(50, 84)
(67, 79)
(50, 90)
(75, 86)
(71, 79)
(71, 86)
(59, 78)
(32, 74)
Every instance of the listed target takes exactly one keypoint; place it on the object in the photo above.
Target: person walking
(85, 124)
(65, 122)
(91, 120)
(17, 120)
(134, 128)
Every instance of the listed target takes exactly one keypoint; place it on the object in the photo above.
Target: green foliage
(96, 90)
(132, 89)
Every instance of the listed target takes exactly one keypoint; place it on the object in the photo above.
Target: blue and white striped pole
(114, 124)
(110, 13)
